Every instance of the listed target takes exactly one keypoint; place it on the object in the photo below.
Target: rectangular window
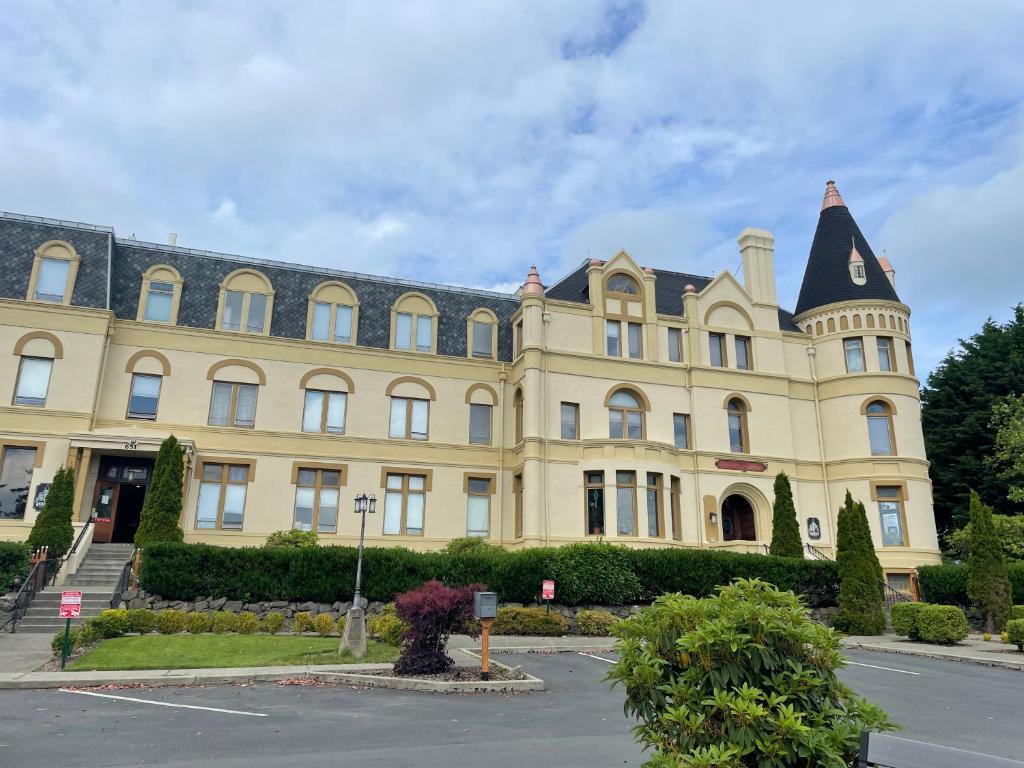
(316, 500)
(409, 418)
(900, 582)
(144, 397)
(613, 328)
(16, 465)
(33, 381)
(343, 324)
(403, 331)
(717, 347)
(677, 515)
(570, 418)
(233, 405)
(636, 343)
(222, 496)
(321, 321)
(625, 503)
(654, 505)
(482, 336)
(594, 482)
(424, 333)
(681, 430)
(675, 345)
(257, 312)
(480, 424)
(404, 501)
(854, 349)
(478, 506)
(890, 508)
(736, 442)
(231, 318)
(52, 280)
(158, 302)
(324, 412)
(743, 352)
(518, 338)
(910, 360)
(517, 493)
(886, 356)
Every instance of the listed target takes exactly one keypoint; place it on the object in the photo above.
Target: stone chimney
(757, 247)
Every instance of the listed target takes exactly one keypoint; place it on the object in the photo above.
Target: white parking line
(599, 658)
(163, 703)
(887, 669)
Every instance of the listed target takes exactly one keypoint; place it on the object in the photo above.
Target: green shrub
(141, 620)
(273, 623)
(14, 563)
(113, 622)
(469, 544)
(248, 623)
(745, 675)
(79, 636)
(223, 621)
(386, 626)
(786, 540)
(1017, 612)
(53, 528)
(198, 622)
(292, 539)
(161, 513)
(988, 585)
(529, 621)
(942, 624)
(1009, 530)
(341, 626)
(904, 619)
(323, 624)
(326, 574)
(594, 623)
(1015, 633)
(303, 622)
(947, 584)
(170, 622)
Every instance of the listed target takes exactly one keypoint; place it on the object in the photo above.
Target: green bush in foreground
(1017, 612)
(302, 622)
(324, 624)
(1015, 633)
(14, 563)
(860, 574)
(947, 584)
(739, 680)
(594, 623)
(386, 626)
(529, 621)
(942, 624)
(291, 539)
(79, 636)
(272, 623)
(141, 620)
(198, 623)
(248, 623)
(170, 622)
(113, 622)
(222, 622)
(904, 619)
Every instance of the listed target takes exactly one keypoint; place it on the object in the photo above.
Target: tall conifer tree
(860, 573)
(53, 527)
(161, 513)
(988, 586)
(785, 527)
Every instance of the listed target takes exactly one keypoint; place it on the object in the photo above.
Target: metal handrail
(122, 582)
(816, 553)
(74, 547)
(889, 595)
(36, 579)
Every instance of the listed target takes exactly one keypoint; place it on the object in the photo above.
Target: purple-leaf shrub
(433, 612)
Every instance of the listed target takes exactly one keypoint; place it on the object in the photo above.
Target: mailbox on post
(485, 608)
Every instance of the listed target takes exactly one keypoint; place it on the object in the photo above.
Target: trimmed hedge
(904, 619)
(585, 574)
(943, 624)
(1015, 633)
(595, 623)
(537, 622)
(947, 584)
(13, 563)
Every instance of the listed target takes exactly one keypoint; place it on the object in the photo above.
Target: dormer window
(246, 302)
(414, 324)
(623, 284)
(856, 264)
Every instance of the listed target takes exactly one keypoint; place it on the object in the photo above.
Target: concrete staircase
(96, 579)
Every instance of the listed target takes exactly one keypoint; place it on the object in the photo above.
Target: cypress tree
(987, 584)
(785, 528)
(860, 573)
(162, 511)
(53, 527)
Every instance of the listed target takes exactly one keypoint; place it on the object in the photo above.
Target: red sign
(548, 590)
(740, 464)
(70, 605)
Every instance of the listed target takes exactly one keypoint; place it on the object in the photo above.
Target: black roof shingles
(827, 276)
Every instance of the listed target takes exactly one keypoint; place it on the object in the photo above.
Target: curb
(983, 661)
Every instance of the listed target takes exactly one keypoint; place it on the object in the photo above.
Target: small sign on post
(70, 608)
(547, 592)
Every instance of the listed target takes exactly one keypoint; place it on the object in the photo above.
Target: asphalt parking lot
(578, 721)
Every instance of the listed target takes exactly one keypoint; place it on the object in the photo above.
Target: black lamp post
(353, 639)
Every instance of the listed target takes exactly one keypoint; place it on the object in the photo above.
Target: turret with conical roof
(829, 277)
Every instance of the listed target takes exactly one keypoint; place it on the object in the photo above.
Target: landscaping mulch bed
(457, 675)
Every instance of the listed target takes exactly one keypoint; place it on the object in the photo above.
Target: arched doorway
(738, 523)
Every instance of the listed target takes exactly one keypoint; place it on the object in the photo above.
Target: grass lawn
(195, 651)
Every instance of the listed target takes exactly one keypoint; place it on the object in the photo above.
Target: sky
(463, 142)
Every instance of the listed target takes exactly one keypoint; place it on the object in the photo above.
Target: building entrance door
(117, 501)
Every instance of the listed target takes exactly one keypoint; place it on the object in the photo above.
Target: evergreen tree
(956, 407)
(53, 527)
(162, 511)
(987, 584)
(860, 573)
(785, 528)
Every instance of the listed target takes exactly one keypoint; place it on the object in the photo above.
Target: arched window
(738, 437)
(414, 323)
(621, 283)
(332, 313)
(53, 273)
(625, 416)
(160, 295)
(36, 351)
(624, 317)
(482, 335)
(246, 302)
(879, 415)
(517, 406)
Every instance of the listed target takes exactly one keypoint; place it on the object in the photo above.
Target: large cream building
(642, 405)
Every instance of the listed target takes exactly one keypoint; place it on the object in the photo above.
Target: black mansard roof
(203, 271)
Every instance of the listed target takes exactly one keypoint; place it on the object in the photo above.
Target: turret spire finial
(832, 196)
